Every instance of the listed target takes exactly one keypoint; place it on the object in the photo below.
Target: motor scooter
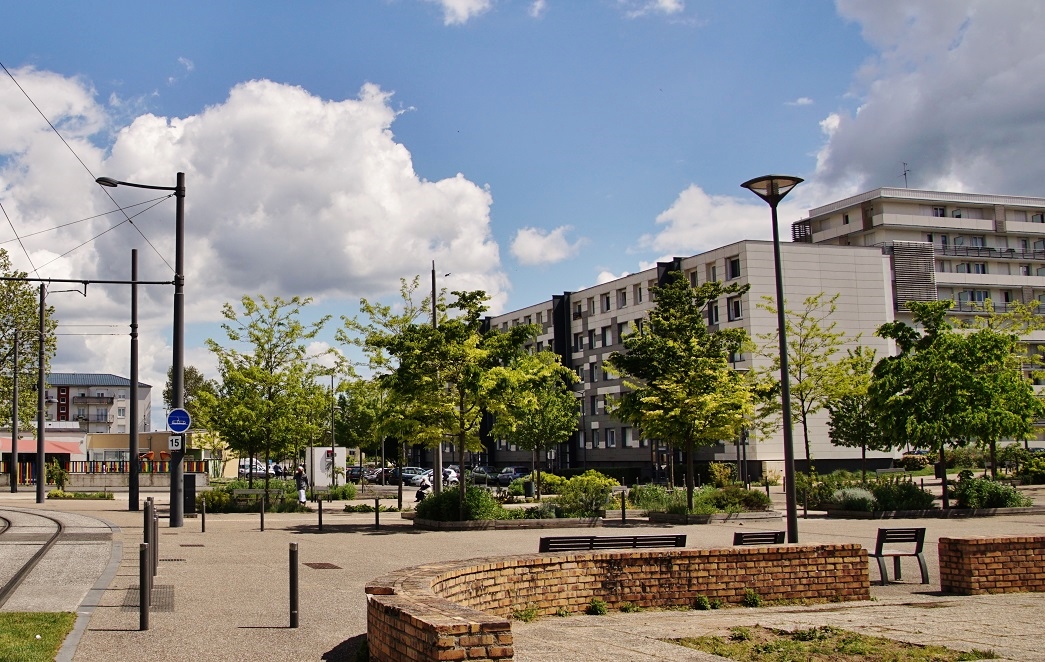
(422, 491)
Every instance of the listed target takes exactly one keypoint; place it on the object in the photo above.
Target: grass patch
(525, 614)
(19, 631)
(821, 644)
(59, 494)
(596, 607)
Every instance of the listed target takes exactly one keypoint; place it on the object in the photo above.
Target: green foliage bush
(721, 474)
(963, 457)
(596, 607)
(551, 483)
(735, 498)
(1033, 472)
(57, 474)
(971, 492)
(854, 498)
(901, 495)
(751, 598)
(585, 495)
(914, 462)
(651, 497)
(479, 504)
(101, 496)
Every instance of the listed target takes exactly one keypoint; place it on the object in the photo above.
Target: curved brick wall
(458, 610)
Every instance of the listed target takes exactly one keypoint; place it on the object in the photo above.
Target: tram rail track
(9, 529)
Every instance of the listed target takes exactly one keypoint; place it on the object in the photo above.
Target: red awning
(50, 447)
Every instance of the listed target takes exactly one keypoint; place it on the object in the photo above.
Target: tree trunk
(671, 467)
(402, 463)
(994, 459)
(943, 472)
(863, 463)
(805, 436)
(689, 476)
(537, 470)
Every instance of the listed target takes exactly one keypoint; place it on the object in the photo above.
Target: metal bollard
(147, 523)
(262, 500)
(293, 584)
(144, 592)
(320, 513)
(624, 507)
(203, 516)
(155, 547)
(377, 513)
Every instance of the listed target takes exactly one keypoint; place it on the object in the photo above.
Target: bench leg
(925, 569)
(896, 568)
(882, 570)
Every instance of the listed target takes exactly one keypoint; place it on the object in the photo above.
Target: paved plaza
(223, 594)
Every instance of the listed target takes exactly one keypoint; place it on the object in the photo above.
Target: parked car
(483, 475)
(354, 474)
(258, 468)
(508, 474)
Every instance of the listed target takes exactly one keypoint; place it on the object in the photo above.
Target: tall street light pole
(40, 384)
(437, 473)
(177, 508)
(14, 419)
(772, 189)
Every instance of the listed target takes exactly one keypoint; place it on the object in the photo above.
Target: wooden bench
(894, 470)
(915, 536)
(579, 543)
(758, 537)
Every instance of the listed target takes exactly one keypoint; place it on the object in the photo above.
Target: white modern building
(585, 327)
(97, 403)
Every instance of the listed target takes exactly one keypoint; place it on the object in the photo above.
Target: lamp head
(107, 181)
(772, 188)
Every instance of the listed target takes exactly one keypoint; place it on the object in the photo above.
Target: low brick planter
(673, 518)
(934, 513)
(460, 609)
(975, 566)
(488, 524)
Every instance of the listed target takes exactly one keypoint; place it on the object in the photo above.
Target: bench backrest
(575, 543)
(892, 536)
(758, 537)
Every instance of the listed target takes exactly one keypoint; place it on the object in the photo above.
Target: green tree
(682, 388)
(852, 421)
(813, 341)
(195, 384)
(20, 326)
(535, 408)
(265, 372)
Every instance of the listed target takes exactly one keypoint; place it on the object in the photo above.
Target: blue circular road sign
(178, 420)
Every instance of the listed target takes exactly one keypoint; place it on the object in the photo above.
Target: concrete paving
(223, 594)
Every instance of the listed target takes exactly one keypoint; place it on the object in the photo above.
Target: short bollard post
(144, 579)
(293, 584)
(203, 515)
(155, 547)
(147, 524)
(320, 513)
(624, 507)
(377, 513)
(262, 500)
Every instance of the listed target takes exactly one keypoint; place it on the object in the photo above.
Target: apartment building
(961, 246)
(99, 403)
(586, 326)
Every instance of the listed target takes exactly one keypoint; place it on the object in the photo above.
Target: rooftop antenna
(905, 171)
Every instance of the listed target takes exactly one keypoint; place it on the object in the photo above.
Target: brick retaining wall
(459, 610)
(975, 566)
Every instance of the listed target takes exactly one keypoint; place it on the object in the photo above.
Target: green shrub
(479, 504)
(735, 498)
(914, 462)
(525, 614)
(650, 497)
(562, 612)
(629, 607)
(721, 474)
(901, 494)
(1033, 472)
(596, 607)
(57, 474)
(100, 496)
(546, 510)
(963, 457)
(972, 492)
(854, 498)
(739, 633)
(751, 598)
(551, 483)
(702, 603)
(585, 495)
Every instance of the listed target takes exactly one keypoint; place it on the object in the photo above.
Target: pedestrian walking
(301, 482)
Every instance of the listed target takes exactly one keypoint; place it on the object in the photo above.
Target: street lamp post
(177, 495)
(772, 189)
(333, 453)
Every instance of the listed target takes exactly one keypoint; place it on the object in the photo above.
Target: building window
(81, 412)
(622, 298)
(1024, 245)
(713, 312)
(943, 240)
(1024, 269)
(977, 242)
(626, 440)
(638, 294)
(939, 212)
(979, 267)
(693, 278)
(593, 405)
(734, 308)
(578, 342)
(605, 303)
(594, 438)
(577, 312)
(527, 320)
(121, 412)
(962, 268)
(1037, 218)
(1040, 271)
(101, 415)
(929, 237)
(593, 373)
(611, 438)
(712, 272)
(607, 336)
(591, 339)
(540, 345)
(845, 219)
(622, 328)
(591, 305)
(733, 268)
(540, 319)
(956, 213)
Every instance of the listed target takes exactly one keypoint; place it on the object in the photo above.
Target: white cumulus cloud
(459, 12)
(536, 246)
(639, 8)
(800, 101)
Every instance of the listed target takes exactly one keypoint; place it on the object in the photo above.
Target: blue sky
(528, 147)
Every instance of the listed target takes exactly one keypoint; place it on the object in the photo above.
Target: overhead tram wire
(19, 239)
(82, 220)
(77, 157)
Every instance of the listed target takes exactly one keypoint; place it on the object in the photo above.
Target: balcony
(97, 400)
